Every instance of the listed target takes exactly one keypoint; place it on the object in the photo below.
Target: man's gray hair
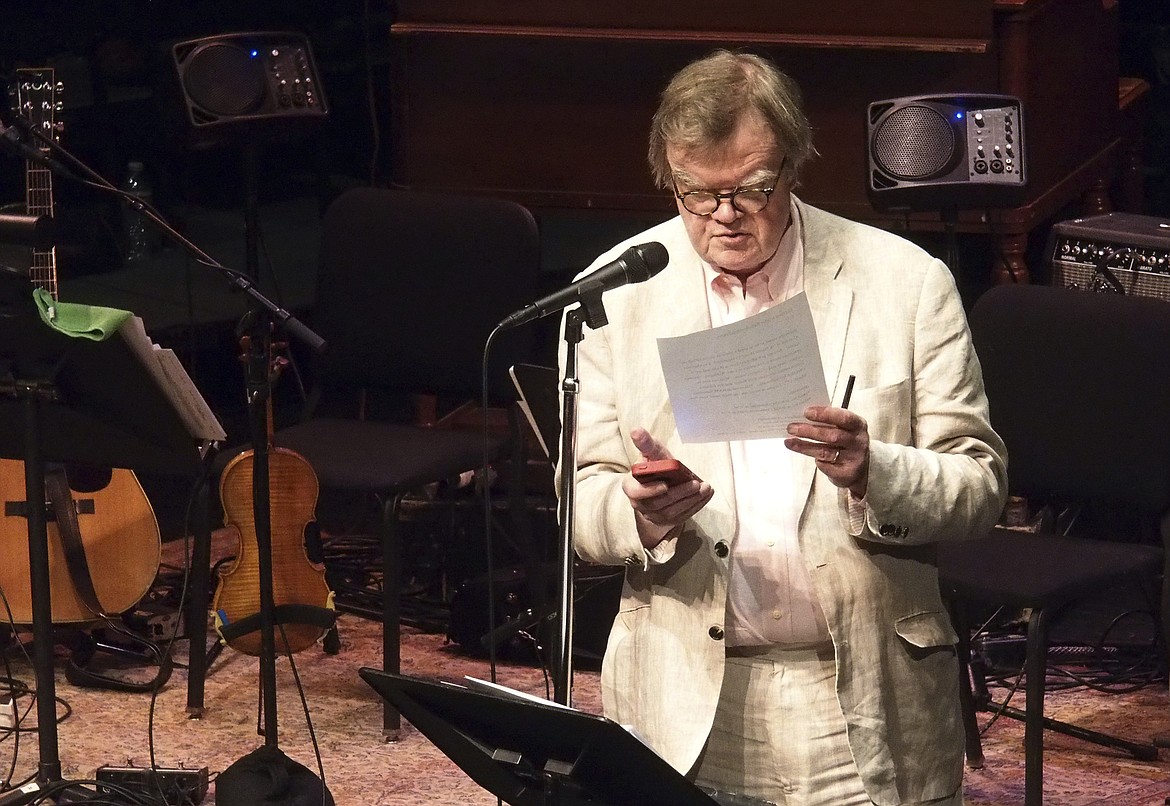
(704, 102)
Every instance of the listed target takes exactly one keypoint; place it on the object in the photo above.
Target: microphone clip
(594, 309)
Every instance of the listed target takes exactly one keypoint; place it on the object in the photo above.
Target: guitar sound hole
(88, 478)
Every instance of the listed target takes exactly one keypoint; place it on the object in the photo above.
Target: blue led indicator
(255, 53)
(958, 116)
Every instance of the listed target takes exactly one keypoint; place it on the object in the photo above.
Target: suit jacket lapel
(830, 298)
(678, 309)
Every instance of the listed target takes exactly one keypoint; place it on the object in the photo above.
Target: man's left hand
(838, 439)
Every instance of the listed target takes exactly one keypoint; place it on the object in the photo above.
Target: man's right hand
(659, 508)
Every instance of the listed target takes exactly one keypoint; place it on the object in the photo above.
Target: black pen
(848, 392)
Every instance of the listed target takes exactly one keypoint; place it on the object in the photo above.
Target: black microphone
(14, 131)
(37, 231)
(636, 264)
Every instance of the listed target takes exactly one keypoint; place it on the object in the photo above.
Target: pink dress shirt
(770, 597)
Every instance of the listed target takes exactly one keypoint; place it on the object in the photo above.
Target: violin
(298, 583)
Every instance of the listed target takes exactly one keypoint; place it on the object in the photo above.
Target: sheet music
(496, 688)
(170, 377)
(746, 380)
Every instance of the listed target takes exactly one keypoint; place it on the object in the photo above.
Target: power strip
(179, 787)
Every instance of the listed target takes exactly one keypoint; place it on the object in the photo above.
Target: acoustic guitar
(117, 526)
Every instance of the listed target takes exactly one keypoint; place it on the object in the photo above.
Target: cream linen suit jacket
(888, 313)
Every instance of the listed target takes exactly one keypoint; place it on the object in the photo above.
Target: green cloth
(82, 321)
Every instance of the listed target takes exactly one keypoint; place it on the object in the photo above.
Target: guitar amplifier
(1121, 253)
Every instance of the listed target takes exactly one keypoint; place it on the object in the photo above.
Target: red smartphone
(672, 471)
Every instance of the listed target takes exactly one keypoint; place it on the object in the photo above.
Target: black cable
(487, 502)
(371, 100)
(1103, 272)
(305, 707)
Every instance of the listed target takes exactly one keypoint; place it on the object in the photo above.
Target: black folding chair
(1079, 388)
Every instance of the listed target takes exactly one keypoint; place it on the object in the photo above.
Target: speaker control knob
(979, 119)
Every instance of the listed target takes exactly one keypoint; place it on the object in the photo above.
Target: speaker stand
(950, 219)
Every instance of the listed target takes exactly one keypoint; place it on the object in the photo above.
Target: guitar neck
(39, 202)
(37, 99)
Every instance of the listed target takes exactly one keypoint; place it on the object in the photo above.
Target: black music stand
(65, 399)
(536, 753)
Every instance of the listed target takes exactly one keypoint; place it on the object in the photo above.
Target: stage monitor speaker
(261, 85)
(945, 152)
(1120, 253)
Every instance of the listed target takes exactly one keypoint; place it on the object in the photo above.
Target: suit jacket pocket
(927, 630)
(884, 409)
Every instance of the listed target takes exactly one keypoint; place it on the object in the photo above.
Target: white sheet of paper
(746, 380)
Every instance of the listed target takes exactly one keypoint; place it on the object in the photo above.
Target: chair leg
(391, 617)
(1035, 723)
(1035, 670)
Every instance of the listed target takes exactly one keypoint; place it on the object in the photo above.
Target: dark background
(112, 59)
(113, 62)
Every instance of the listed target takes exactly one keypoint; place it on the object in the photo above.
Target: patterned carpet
(114, 728)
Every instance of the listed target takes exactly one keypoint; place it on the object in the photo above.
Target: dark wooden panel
(958, 19)
(550, 104)
(556, 123)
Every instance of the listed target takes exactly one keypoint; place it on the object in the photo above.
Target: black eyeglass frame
(732, 196)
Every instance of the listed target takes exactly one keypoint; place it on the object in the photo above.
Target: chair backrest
(1079, 389)
(411, 284)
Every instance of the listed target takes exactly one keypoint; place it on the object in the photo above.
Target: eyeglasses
(745, 200)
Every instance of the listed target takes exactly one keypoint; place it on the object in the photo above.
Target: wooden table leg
(1008, 264)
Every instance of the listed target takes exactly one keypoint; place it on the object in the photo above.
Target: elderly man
(781, 633)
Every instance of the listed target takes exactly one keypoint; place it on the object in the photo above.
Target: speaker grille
(914, 142)
(224, 79)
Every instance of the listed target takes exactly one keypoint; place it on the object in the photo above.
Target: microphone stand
(263, 313)
(592, 313)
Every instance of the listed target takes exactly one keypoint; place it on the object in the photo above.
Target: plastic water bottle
(139, 244)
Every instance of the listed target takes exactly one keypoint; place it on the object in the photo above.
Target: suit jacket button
(722, 549)
(716, 632)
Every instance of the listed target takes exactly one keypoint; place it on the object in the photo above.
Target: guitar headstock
(38, 100)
